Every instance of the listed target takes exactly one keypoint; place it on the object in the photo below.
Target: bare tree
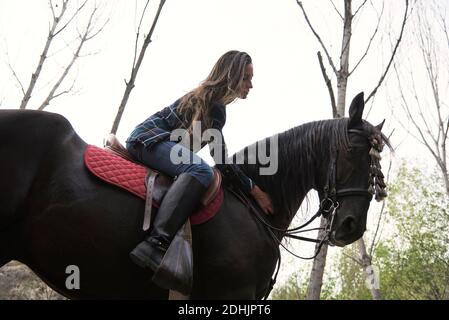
(137, 61)
(426, 107)
(61, 20)
(90, 32)
(342, 73)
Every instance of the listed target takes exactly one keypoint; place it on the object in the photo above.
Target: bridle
(329, 200)
(329, 203)
(330, 194)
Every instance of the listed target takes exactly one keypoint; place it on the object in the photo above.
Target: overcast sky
(189, 38)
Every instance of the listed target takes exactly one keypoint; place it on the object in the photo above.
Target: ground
(18, 282)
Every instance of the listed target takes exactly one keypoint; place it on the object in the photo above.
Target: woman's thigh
(173, 159)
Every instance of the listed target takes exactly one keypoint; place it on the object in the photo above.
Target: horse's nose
(349, 231)
(348, 226)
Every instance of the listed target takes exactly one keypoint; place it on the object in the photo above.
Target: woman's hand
(263, 199)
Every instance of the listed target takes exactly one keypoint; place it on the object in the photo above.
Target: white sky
(190, 36)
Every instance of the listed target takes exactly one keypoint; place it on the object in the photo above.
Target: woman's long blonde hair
(221, 86)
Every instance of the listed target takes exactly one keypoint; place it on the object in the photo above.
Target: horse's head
(354, 177)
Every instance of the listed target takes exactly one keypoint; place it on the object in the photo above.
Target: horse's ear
(356, 110)
(380, 125)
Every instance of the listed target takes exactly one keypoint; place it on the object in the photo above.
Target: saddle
(115, 165)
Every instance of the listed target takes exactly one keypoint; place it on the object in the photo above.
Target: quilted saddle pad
(131, 176)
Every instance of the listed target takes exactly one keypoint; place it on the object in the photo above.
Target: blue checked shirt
(159, 126)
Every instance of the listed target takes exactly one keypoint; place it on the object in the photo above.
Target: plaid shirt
(159, 126)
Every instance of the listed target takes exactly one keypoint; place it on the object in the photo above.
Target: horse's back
(30, 142)
(59, 214)
(26, 126)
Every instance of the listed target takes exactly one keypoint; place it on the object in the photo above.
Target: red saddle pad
(131, 177)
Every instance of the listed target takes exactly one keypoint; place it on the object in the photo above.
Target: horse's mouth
(336, 242)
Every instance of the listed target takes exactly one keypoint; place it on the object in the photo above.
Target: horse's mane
(303, 153)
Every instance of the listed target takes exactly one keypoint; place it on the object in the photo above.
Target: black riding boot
(179, 203)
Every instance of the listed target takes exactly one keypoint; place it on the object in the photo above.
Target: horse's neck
(299, 162)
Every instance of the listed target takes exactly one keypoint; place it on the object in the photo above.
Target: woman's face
(247, 81)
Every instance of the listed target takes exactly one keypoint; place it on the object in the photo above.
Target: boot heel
(139, 259)
(147, 256)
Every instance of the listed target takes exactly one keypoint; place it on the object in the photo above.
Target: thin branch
(66, 91)
(73, 16)
(16, 77)
(406, 108)
(318, 38)
(328, 84)
(430, 59)
(431, 63)
(393, 53)
(418, 104)
(43, 56)
(99, 30)
(370, 41)
(356, 260)
(370, 108)
(52, 8)
(67, 45)
(446, 130)
(138, 32)
(335, 8)
(358, 9)
(87, 35)
(445, 28)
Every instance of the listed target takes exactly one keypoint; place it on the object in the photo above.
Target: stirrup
(175, 271)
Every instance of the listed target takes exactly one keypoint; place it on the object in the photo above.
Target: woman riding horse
(151, 143)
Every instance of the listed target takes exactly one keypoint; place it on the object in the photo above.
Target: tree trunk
(343, 73)
(316, 276)
(135, 69)
(446, 181)
(43, 57)
(338, 111)
(372, 275)
(319, 263)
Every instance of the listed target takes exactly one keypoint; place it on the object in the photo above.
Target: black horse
(54, 213)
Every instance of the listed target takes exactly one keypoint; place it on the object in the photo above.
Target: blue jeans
(164, 158)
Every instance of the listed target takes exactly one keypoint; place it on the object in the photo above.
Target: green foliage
(413, 255)
(414, 260)
(291, 289)
(295, 288)
(351, 277)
